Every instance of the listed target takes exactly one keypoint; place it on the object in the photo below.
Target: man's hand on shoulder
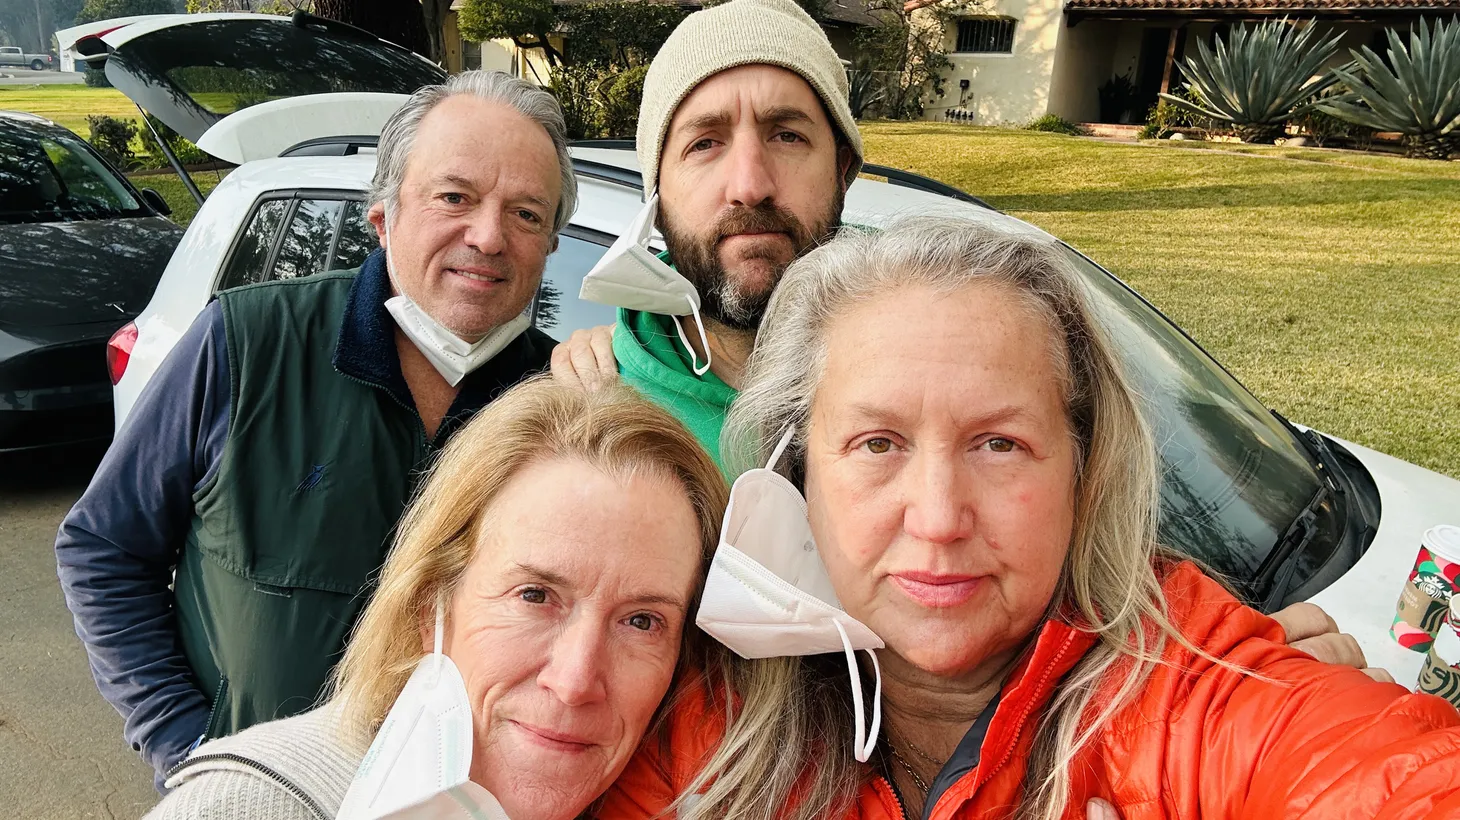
(586, 359)
(1311, 630)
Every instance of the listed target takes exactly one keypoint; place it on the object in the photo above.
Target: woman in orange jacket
(981, 490)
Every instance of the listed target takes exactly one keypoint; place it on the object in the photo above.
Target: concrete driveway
(11, 75)
(61, 748)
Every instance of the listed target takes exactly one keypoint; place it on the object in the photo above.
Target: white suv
(1286, 513)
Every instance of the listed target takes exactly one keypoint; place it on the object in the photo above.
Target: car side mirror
(157, 202)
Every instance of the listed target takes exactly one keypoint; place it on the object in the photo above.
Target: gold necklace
(907, 767)
(920, 753)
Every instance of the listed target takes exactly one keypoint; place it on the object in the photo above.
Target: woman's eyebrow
(664, 600)
(551, 578)
(542, 574)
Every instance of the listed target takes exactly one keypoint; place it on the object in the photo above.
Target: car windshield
(1234, 477)
(49, 175)
(192, 75)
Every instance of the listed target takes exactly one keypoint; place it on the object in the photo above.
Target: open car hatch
(192, 70)
(270, 129)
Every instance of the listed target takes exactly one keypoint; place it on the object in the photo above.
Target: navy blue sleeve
(117, 548)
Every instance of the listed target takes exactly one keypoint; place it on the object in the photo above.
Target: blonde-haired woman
(982, 491)
(564, 536)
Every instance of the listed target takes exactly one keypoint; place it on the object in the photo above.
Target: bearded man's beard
(738, 304)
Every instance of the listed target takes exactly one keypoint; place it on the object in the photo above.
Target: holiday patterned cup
(1441, 672)
(1427, 593)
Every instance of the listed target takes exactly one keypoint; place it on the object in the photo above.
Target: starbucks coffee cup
(1441, 672)
(1426, 595)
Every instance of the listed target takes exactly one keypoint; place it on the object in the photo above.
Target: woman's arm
(1294, 738)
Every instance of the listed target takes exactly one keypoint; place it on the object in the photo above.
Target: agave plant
(1259, 79)
(1419, 97)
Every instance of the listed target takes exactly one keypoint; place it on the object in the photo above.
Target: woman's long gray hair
(787, 749)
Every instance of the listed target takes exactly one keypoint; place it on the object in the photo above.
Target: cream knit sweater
(293, 769)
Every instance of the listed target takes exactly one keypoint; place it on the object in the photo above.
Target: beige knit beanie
(737, 33)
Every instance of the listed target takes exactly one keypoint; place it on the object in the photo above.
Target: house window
(986, 35)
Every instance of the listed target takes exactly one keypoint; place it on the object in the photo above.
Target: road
(61, 748)
(10, 75)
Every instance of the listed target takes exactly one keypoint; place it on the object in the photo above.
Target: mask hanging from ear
(452, 356)
(631, 276)
(419, 766)
(768, 594)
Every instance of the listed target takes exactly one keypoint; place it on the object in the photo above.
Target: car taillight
(119, 351)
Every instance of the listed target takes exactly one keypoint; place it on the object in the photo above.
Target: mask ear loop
(865, 741)
(781, 447)
(684, 340)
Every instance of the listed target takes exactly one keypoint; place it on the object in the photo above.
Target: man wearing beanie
(746, 135)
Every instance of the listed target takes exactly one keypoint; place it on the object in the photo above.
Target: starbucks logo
(1438, 679)
(1434, 586)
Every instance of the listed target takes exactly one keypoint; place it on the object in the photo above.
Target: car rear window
(194, 74)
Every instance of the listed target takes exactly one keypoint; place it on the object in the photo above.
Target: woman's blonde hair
(612, 429)
(788, 749)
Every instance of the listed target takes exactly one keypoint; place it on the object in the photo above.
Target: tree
(94, 10)
(403, 22)
(906, 56)
(612, 33)
(280, 7)
(527, 23)
(32, 24)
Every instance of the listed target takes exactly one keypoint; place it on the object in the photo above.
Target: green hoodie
(652, 360)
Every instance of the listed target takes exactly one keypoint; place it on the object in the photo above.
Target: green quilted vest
(296, 520)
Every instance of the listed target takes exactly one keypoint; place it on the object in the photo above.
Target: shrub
(598, 101)
(96, 78)
(1415, 92)
(1322, 127)
(112, 138)
(186, 152)
(622, 94)
(575, 88)
(1055, 124)
(1165, 117)
(1259, 79)
(865, 89)
(1117, 95)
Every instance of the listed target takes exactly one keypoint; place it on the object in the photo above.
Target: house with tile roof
(1015, 60)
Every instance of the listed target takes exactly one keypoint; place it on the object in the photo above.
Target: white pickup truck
(14, 56)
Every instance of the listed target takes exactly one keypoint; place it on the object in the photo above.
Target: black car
(81, 251)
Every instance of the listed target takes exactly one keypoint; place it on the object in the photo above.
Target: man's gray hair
(399, 134)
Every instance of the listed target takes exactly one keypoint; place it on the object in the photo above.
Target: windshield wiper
(1284, 558)
(1282, 562)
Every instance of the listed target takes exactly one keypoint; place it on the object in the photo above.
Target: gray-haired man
(273, 452)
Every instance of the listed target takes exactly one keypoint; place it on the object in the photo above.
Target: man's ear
(844, 160)
(376, 215)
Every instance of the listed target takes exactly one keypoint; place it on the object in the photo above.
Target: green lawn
(1328, 282)
(68, 104)
(184, 207)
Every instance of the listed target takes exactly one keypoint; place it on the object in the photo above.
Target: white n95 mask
(768, 594)
(418, 767)
(629, 275)
(452, 356)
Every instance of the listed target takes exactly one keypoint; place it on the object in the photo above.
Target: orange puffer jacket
(1312, 741)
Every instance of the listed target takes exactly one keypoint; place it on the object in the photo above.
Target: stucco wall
(1006, 88)
(499, 55)
(1084, 58)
